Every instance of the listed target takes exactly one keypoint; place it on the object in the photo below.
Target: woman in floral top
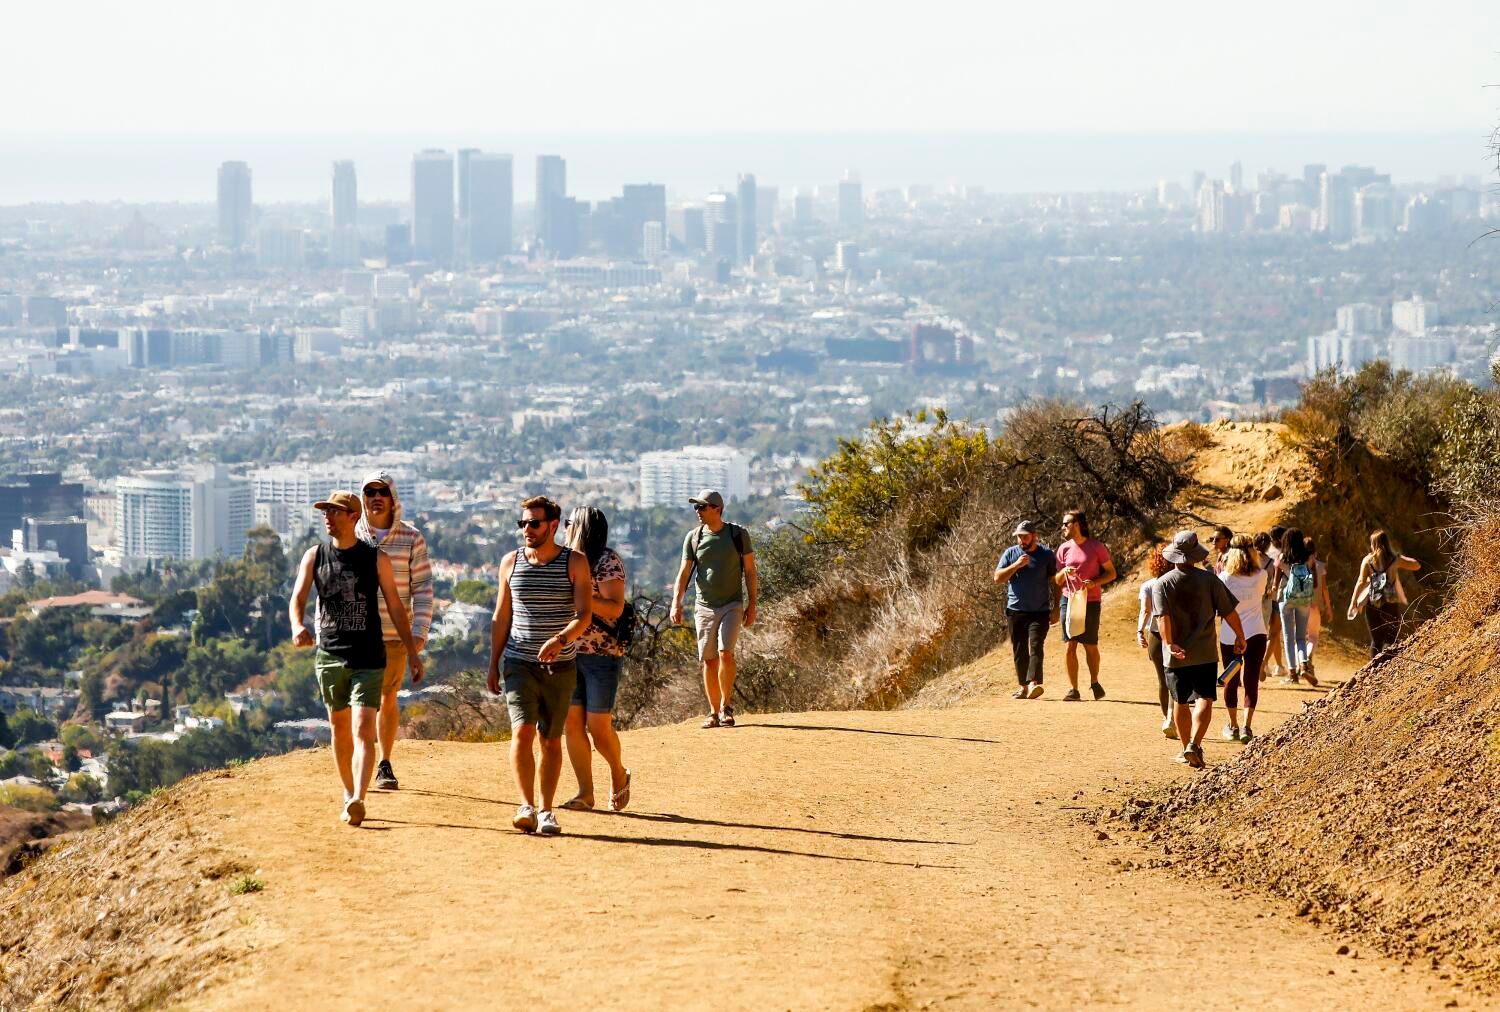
(599, 658)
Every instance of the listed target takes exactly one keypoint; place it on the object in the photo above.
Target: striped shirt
(541, 606)
(407, 550)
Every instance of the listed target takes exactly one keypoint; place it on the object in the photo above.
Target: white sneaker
(1169, 728)
(1231, 733)
(525, 819)
(547, 823)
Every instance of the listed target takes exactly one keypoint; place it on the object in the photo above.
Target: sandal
(577, 804)
(712, 720)
(619, 799)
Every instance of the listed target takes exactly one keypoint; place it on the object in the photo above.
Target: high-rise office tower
(851, 202)
(639, 204)
(721, 226)
(653, 240)
(1237, 177)
(235, 207)
(487, 196)
(746, 222)
(1336, 206)
(464, 155)
(344, 203)
(685, 226)
(551, 187)
(802, 208)
(766, 198)
(432, 207)
(1312, 182)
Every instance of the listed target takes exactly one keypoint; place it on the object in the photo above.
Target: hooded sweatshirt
(407, 550)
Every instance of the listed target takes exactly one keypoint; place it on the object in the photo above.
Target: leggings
(1153, 647)
(1294, 634)
(1385, 626)
(1255, 656)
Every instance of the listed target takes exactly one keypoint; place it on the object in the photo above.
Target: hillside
(861, 860)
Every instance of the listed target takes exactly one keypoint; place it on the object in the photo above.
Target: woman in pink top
(1083, 564)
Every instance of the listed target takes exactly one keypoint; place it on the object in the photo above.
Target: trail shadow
(662, 841)
(455, 797)
(687, 820)
(866, 730)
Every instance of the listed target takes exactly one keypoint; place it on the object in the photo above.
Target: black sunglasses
(373, 490)
(699, 507)
(533, 524)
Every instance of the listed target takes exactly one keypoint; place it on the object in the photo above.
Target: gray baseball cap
(708, 497)
(1024, 527)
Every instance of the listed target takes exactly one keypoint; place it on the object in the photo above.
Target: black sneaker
(1097, 690)
(385, 777)
(1072, 696)
(726, 717)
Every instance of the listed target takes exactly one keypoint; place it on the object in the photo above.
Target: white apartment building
(1410, 316)
(668, 477)
(1342, 352)
(1421, 354)
(182, 514)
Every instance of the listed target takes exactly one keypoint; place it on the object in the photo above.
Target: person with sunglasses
(1085, 566)
(718, 557)
(545, 604)
(350, 576)
(382, 527)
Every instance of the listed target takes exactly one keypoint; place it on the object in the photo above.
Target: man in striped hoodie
(382, 526)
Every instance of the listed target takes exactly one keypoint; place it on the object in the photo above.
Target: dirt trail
(927, 857)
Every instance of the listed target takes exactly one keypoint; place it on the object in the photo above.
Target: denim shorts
(598, 680)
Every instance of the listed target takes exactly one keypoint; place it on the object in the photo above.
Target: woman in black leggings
(1245, 576)
(1146, 635)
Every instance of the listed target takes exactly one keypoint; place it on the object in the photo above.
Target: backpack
(1299, 585)
(736, 534)
(622, 630)
(1382, 591)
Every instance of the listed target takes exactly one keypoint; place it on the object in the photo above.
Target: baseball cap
(379, 478)
(708, 497)
(340, 499)
(1024, 527)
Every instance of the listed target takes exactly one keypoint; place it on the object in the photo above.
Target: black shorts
(1194, 682)
(1090, 623)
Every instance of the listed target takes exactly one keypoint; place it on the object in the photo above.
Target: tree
(474, 592)
(82, 788)
(83, 738)
(28, 727)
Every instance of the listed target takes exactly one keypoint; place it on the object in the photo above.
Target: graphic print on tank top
(347, 582)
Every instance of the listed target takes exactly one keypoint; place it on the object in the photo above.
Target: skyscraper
(551, 187)
(1336, 206)
(641, 203)
(344, 203)
(183, 514)
(432, 207)
(851, 202)
(235, 207)
(721, 226)
(464, 155)
(487, 196)
(746, 221)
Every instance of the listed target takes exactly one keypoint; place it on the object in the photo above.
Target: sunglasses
(376, 490)
(699, 507)
(531, 524)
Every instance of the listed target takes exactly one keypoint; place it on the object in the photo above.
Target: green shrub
(26, 798)
(246, 884)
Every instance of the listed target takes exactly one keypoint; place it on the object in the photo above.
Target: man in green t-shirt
(718, 557)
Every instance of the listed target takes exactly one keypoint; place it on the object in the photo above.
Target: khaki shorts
(718, 629)
(395, 667)
(539, 694)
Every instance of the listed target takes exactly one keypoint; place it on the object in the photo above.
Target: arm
(421, 593)
(1233, 618)
(1143, 619)
(1408, 563)
(752, 588)
(399, 618)
(1106, 575)
(1164, 627)
(684, 574)
(1325, 600)
(297, 607)
(609, 603)
(583, 609)
(1359, 587)
(500, 623)
(1004, 573)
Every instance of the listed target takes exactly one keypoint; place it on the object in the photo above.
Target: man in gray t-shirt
(1188, 601)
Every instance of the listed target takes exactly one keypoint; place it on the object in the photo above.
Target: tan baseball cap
(340, 499)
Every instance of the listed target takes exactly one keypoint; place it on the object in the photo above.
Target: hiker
(1379, 592)
(718, 557)
(1187, 600)
(1149, 637)
(352, 579)
(1086, 567)
(544, 605)
(1262, 545)
(1275, 652)
(1295, 587)
(600, 655)
(1028, 569)
(1322, 608)
(1222, 536)
(381, 525)
(1245, 578)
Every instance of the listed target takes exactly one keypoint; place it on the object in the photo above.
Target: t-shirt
(1148, 604)
(1089, 558)
(596, 639)
(1191, 599)
(718, 570)
(1030, 587)
(1248, 591)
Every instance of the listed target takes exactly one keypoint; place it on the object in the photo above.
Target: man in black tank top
(349, 575)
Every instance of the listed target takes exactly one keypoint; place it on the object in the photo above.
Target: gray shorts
(539, 694)
(718, 628)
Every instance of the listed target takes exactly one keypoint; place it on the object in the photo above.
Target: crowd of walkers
(558, 637)
(1255, 612)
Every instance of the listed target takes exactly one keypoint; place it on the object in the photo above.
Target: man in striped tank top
(545, 604)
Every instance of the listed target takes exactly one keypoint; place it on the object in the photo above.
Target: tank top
(541, 606)
(348, 585)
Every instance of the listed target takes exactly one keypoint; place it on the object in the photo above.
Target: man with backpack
(718, 557)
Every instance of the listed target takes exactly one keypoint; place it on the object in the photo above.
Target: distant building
(846, 256)
(1340, 352)
(1336, 206)
(747, 221)
(851, 202)
(1359, 319)
(1421, 354)
(686, 227)
(432, 207)
(653, 240)
(235, 207)
(551, 190)
(182, 514)
(668, 477)
(1410, 316)
(42, 495)
(803, 209)
(343, 204)
(487, 203)
(766, 199)
(640, 204)
(721, 226)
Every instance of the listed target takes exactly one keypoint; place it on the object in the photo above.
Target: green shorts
(342, 686)
(539, 694)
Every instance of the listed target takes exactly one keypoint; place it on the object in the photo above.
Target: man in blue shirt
(1028, 568)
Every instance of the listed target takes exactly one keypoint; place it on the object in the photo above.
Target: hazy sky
(454, 65)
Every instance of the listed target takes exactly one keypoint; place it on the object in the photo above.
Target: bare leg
(1091, 654)
(726, 677)
(1182, 716)
(1203, 712)
(1234, 716)
(364, 750)
(552, 754)
(579, 752)
(343, 748)
(711, 684)
(390, 722)
(602, 730)
(1070, 660)
(523, 762)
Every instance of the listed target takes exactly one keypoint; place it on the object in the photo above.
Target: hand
(493, 681)
(749, 614)
(550, 649)
(1239, 644)
(1024, 561)
(420, 642)
(676, 615)
(1352, 614)
(1056, 617)
(1086, 584)
(416, 667)
(303, 637)
(1140, 637)
(1177, 652)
